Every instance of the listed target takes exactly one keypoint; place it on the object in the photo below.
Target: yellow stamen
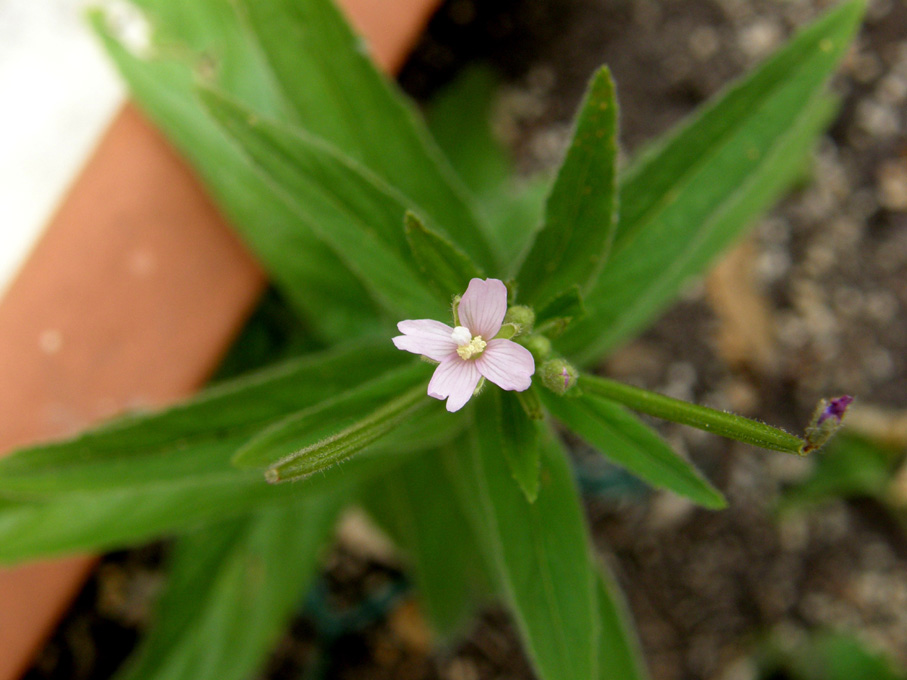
(473, 349)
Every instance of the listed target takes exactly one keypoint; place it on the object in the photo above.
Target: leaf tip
(603, 76)
(715, 501)
(530, 494)
(411, 219)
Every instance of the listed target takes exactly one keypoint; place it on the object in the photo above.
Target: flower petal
(454, 380)
(483, 306)
(507, 364)
(427, 337)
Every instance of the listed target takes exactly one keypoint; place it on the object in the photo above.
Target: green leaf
(580, 217)
(625, 440)
(420, 510)
(845, 657)
(444, 266)
(620, 657)
(515, 214)
(322, 419)
(826, 655)
(519, 440)
(209, 37)
(359, 216)
(343, 99)
(433, 428)
(711, 420)
(340, 445)
(553, 319)
(197, 436)
(692, 194)
(460, 118)
(850, 467)
(230, 591)
(120, 516)
(541, 553)
(145, 476)
(317, 284)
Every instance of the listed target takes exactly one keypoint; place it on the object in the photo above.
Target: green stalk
(708, 419)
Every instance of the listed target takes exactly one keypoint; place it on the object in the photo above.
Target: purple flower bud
(826, 421)
(835, 408)
(558, 376)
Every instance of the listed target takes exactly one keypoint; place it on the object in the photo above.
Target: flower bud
(826, 421)
(539, 345)
(522, 317)
(558, 376)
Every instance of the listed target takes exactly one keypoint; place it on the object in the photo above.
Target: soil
(822, 282)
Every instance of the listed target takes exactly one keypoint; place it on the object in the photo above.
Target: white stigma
(461, 335)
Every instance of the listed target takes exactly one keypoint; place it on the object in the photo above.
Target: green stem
(708, 419)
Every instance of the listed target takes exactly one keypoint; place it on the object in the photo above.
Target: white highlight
(59, 92)
(50, 341)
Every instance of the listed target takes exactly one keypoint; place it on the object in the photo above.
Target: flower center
(469, 346)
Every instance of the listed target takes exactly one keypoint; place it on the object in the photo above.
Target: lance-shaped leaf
(230, 591)
(627, 441)
(349, 207)
(144, 476)
(620, 656)
(337, 94)
(318, 421)
(540, 552)
(573, 243)
(446, 268)
(120, 516)
(460, 118)
(315, 282)
(340, 445)
(692, 194)
(197, 435)
(519, 439)
(553, 319)
(418, 507)
(431, 429)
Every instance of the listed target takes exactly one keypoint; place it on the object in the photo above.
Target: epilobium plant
(366, 217)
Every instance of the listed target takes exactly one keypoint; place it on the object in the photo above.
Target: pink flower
(470, 351)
